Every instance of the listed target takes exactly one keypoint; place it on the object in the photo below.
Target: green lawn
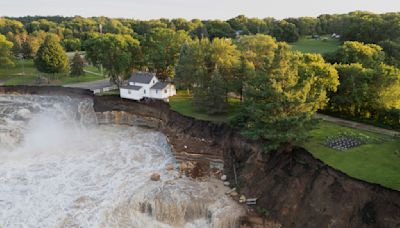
(25, 73)
(321, 46)
(182, 103)
(378, 161)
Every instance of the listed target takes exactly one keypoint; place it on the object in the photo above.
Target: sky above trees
(204, 9)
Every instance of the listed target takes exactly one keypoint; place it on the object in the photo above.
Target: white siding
(131, 94)
(163, 93)
(145, 91)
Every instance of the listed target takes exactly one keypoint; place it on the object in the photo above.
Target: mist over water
(58, 168)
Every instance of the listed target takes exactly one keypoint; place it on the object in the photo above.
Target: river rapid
(59, 168)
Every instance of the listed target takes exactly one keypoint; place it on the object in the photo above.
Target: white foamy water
(58, 168)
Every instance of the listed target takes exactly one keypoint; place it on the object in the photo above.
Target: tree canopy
(283, 93)
(51, 57)
(118, 54)
(5, 52)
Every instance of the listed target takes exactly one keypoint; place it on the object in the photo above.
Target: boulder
(155, 177)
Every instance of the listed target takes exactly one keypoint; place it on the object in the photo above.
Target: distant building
(337, 36)
(143, 85)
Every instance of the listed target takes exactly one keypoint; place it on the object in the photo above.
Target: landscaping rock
(226, 183)
(223, 177)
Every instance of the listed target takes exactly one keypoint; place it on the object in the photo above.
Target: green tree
(5, 52)
(369, 55)
(51, 57)
(118, 54)
(281, 98)
(162, 48)
(72, 44)
(216, 94)
(363, 92)
(30, 46)
(353, 96)
(77, 65)
(392, 52)
(219, 29)
(285, 31)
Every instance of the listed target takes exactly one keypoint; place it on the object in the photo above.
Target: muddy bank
(293, 189)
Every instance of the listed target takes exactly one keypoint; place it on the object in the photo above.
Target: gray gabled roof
(159, 85)
(131, 87)
(141, 77)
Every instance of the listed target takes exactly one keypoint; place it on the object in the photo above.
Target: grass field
(377, 161)
(25, 73)
(182, 103)
(321, 46)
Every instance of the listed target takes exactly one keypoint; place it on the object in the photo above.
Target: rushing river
(58, 168)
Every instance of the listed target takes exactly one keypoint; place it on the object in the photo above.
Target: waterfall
(59, 168)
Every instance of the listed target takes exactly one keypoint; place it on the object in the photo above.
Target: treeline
(356, 26)
(280, 89)
(369, 86)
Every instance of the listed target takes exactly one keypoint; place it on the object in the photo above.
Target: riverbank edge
(293, 189)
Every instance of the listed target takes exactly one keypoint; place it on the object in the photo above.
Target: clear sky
(202, 9)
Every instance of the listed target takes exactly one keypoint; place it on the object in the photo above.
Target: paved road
(357, 125)
(94, 85)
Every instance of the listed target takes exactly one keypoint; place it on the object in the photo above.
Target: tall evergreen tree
(77, 65)
(281, 98)
(51, 57)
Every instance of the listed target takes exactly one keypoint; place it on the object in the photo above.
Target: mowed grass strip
(25, 73)
(182, 103)
(377, 161)
(319, 46)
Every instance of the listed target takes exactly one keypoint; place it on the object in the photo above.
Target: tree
(282, 96)
(209, 68)
(363, 92)
(118, 54)
(5, 52)
(30, 46)
(285, 31)
(392, 52)
(353, 96)
(162, 48)
(51, 57)
(219, 29)
(72, 44)
(77, 65)
(369, 55)
(216, 94)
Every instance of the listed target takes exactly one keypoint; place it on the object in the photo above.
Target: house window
(144, 91)
(156, 91)
(165, 91)
(129, 92)
(153, 81)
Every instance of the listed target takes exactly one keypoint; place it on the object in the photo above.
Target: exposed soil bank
(293, 189)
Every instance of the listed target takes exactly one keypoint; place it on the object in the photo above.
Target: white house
(146, 85)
